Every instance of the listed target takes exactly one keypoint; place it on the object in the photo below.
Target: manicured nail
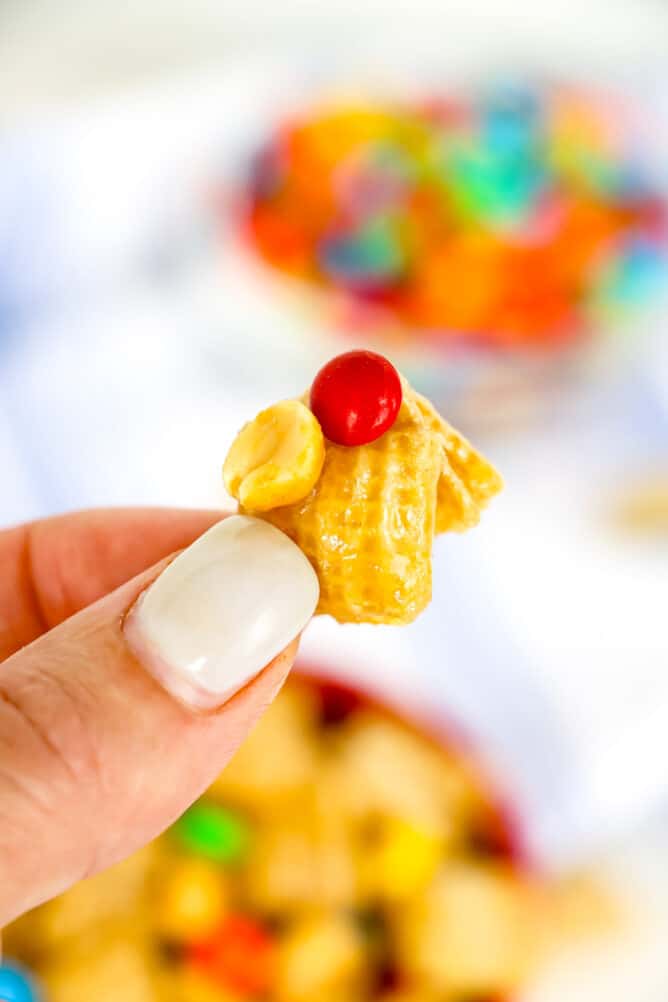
(222, 610)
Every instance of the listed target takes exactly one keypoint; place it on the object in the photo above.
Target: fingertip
(221, 611)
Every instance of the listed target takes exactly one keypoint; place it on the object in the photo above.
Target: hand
(136, 686)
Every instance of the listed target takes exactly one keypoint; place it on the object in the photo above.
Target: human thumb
(114, 721)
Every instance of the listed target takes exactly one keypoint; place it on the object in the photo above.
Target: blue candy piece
(640, 272)
(495, 190)
(637, 272)
(510, 122)
(370, 256)
(15, 984)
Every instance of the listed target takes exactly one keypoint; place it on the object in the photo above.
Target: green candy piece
(488, 188)
(379, 250)
(213, 831)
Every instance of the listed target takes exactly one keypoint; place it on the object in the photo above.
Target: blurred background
(202, 202)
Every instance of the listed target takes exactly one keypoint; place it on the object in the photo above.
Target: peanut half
(275, 459)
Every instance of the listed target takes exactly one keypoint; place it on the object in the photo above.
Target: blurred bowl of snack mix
(502, 243)
(346, 853)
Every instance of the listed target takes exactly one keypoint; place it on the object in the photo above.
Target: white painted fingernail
(222, 610)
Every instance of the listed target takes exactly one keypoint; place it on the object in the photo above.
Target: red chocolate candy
(356, 397)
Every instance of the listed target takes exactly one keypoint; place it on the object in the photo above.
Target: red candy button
(356, 397)
(239, 956)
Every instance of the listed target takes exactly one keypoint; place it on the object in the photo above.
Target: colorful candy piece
(401, 860)
(490, 189)
(511, 123)
(192, 900)
(635, 275)
(213, 831)
(356, 397)
(239, 956)
(16, 985)
(367, 257)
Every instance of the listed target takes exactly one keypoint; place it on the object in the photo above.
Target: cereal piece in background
(387, 769)
(642, 508)
(303, 859)
(121, 967)
(89, 909)
(580, 907)
(472, 932)
(191, 900)
(278, 761)
(320, 958)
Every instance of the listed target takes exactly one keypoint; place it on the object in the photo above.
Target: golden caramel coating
(368, 524)
(467, 482)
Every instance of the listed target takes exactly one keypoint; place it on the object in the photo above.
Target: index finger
(54, 567)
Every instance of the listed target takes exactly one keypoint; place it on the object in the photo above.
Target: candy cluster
(521, 219)
(341, 857)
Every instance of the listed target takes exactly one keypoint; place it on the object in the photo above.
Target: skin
(96, 759)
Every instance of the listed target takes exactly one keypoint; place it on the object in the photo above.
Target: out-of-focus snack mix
(344, 856)
(641, 507)
(522, 219)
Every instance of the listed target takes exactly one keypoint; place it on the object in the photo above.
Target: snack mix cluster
(361, 473)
